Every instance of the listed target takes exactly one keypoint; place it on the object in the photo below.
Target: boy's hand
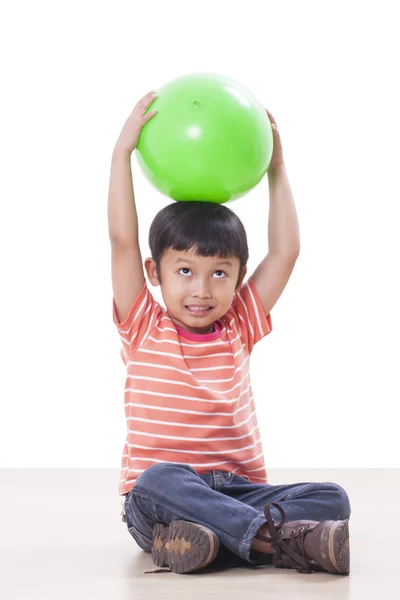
(277, 155)
(130, 133)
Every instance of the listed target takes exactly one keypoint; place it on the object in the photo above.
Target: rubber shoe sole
(331, 551)
(183, 547)
(339, 548)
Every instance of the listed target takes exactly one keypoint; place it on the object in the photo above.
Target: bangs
(205, 238)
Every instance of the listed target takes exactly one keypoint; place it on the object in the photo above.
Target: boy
(193, 475)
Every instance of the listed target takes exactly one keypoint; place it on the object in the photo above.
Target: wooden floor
(61, 536)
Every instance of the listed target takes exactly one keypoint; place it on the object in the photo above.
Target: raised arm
(126, 260)
(273, 273)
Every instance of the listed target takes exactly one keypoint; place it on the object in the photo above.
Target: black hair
(209, 229)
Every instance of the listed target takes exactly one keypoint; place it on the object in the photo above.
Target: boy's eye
(187, 269)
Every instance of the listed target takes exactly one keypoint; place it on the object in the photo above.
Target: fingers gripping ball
(210, 140)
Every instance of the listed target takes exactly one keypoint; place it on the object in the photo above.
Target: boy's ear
(151, 271)
(241, 279)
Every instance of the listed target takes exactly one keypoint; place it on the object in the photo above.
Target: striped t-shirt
(188, 397)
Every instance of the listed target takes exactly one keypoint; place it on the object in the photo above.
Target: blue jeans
(226, 503)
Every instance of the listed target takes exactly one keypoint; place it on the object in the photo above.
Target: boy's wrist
(274, 172)
(121, 152)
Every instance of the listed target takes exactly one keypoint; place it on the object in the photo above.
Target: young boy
(193, 478)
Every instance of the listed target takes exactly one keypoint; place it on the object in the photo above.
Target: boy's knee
(342, 502)
(161, 473)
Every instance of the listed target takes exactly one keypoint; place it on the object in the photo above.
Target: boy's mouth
(198, 308)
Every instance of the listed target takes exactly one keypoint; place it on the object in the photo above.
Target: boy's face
(188, 280)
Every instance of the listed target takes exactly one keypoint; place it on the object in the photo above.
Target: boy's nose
(201, 290)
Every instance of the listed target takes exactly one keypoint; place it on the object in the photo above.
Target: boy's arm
(272, 274)
(126, 259)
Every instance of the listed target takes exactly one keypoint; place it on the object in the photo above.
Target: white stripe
(255, 470)
(260, 327)
(137, 314)
(125, 344)
(198, 345)
(194, 465)
(150, 327)
(134, 336)
(184, 356)
(161, 366)
(241, 319)
(142, 470)
(176, 396)
(162, 329)
(229, 451)
(190, 412)
(249, 324)
(192, 439)
(194, 387)
(173, 424)
(187, 372)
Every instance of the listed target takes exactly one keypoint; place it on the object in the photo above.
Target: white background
(326, 380)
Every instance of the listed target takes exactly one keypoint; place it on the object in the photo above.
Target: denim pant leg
(166, 492)
(307, 500)
(300, 501)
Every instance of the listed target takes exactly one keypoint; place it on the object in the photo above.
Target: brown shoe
(308, 546)
(183, 546)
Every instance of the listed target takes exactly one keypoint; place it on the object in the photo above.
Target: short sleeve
(248, 312)
(144, 315)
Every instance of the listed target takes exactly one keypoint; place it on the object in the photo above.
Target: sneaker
(308, 546)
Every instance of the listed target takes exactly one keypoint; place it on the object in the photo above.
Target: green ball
(211, 140)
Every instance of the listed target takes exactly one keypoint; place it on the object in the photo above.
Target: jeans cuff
(245, 545)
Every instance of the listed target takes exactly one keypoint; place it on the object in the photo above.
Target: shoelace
(294, 548)
(158, 571)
